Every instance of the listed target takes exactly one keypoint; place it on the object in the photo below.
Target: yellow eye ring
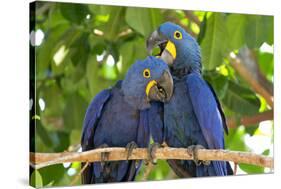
(177, 35)
(146, 73)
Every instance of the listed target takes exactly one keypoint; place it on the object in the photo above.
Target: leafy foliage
(87, 48)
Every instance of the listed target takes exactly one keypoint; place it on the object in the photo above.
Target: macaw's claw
(130, 147)
(151, 153)
(193, 150)
(137, 163)
(104, 155)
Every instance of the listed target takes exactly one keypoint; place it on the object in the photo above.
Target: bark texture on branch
(232, 122)
(39, 160)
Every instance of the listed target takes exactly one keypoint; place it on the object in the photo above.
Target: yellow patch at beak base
(149, 85)
(170, 47)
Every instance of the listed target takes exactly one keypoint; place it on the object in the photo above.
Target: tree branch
(250, 120)
(190, 15)
(39, 160)
(246, 66)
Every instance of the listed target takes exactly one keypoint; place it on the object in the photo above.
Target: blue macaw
(193, 117)
(118, 117)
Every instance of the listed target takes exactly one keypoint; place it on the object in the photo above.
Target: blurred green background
(82, 49)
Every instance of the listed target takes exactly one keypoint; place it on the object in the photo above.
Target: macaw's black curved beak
(155, 39)
(167, 48)
(160, 89)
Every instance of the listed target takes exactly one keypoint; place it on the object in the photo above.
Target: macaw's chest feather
(119, 122)
(181, 125)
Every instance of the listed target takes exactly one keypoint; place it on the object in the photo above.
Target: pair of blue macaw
(164, 97)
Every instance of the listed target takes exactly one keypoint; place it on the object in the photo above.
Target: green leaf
(266, 64)
(241, 100)
(53, 106)
(109, 72)
(80, 49)
(61, 139)
(55, 18)
(74, 12)
(203, 27)
(252, 30)
(143, 20)
(131, 51)
(115, 23)
(235, 139)
(266, 152)
(236, 24)
(36, 179)
(70, 42)
(160, 171)
(101, 10)
(258, 29)
(75, 137)
(94, 77)
(74, 112)
(98, 48)
(45, 52)
(43, 133)
(218, 82)
(214, 44)
(251, 129)
(251, 169)
(52, 174)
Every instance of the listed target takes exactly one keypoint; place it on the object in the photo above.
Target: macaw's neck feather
(188, 59)
(138, 101)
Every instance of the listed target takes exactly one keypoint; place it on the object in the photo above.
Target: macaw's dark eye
(177, 35)
(146, 73)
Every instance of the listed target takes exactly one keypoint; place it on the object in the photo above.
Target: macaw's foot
(151, 153)
(193, 150)
(130, 147)
(104, 155)
(164, 145)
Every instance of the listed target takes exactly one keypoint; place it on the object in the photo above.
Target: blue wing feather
(156, 117)
(93, 113)
(143, 129)
(92, 116)
(207, 112)
(220, 109)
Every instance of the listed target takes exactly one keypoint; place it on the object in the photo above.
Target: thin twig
(39, 160)
(79, 174)
(147, 171)
(241, 65)
(235, 169)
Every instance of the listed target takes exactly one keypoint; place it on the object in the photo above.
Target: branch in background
(39, 160)
(76, 178)
(192, 17)
(250, 60)
(246, 66)
(250, 120)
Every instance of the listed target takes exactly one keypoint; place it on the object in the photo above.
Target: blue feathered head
(177, 48)
(147, 80)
